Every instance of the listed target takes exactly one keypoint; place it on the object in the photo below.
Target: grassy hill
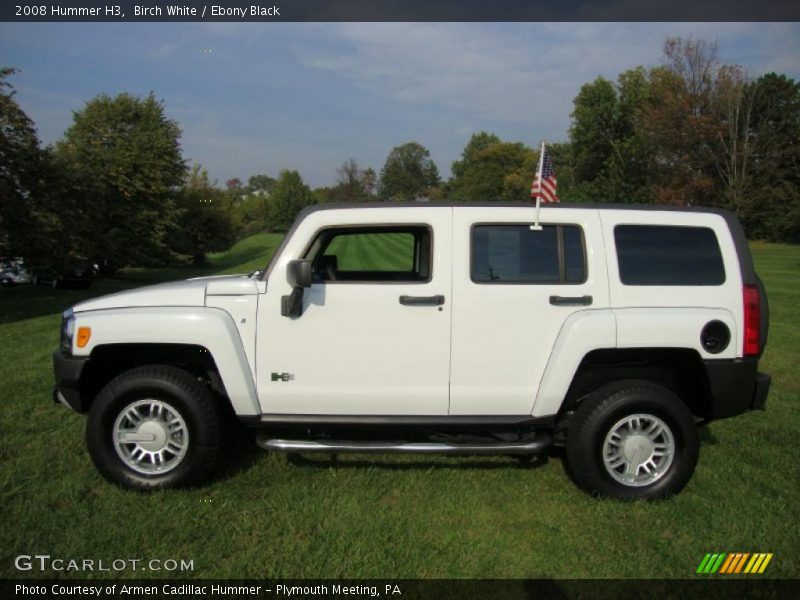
(29, 301)
(244, 256)
(390, 516)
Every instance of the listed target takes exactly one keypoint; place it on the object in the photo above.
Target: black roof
(484, 204)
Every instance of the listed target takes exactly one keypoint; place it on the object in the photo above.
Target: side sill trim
(425, 420)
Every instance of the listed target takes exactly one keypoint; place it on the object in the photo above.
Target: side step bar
(369, 447)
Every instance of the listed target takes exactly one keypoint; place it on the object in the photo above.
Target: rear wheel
(155, 427)
(632, 440)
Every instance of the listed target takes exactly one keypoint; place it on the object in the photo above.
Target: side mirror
(298, 273)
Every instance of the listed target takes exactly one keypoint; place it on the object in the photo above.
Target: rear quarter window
(668, 255)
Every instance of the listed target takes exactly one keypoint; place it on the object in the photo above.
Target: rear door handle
(422, 300)
(570, 300)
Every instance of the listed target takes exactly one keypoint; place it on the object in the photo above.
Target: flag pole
(536, 226)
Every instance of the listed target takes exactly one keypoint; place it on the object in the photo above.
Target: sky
(261, 97)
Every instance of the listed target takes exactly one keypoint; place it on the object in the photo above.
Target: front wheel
(632, 440)
(155, 427)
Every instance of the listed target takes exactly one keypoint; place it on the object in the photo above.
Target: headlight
(67, 331)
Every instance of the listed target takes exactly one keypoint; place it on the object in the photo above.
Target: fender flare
(625, 328)
(211, 328)
(582, 332)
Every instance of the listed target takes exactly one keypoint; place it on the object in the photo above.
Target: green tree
(773, 210)
(690, 131)
(204, 221)
(126, 159)
(353, 184)
(369, 181)
(38, 219)
(609, 160)
(734, 146)
(250, 204)
(289, 196)
(322, 195)
(408, 173)
(470, 155)
(491, 169)
(19, 168)
(593, 128)
(260, 184)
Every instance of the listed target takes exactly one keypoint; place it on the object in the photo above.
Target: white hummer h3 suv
(613, 330)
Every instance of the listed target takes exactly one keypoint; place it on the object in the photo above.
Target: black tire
(597, 416)
(180, 392)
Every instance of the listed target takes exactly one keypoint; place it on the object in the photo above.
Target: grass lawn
(390, 516)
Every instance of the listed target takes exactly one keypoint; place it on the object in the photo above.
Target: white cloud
(525, 73)
(163, 51)
(308, 95)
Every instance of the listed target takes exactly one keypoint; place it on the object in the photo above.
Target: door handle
(422, 300)
(570, 300)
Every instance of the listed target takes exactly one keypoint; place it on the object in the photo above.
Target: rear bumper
(68, 375)
(735, 386)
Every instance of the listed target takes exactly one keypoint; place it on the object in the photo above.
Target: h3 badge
(283, 377)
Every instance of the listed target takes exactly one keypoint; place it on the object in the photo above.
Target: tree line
(690, 131)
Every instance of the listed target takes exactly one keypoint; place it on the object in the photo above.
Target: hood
(190, 292)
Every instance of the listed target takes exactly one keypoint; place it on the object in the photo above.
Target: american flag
(544, 183)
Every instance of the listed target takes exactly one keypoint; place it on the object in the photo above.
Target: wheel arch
(202, 341)
(108, 361)
(680, 370)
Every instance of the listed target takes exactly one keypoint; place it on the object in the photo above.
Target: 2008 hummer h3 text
(455, 329)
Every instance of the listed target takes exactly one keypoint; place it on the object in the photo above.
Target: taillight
(752, 320)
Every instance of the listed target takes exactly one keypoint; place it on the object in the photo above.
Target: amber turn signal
(84, 333)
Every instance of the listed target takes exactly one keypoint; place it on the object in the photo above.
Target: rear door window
(518, 254)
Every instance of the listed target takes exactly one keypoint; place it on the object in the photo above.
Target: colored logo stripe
(734, 562)
(711, 563)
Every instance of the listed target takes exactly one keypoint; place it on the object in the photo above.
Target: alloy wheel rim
(150, 437)
(638, 450)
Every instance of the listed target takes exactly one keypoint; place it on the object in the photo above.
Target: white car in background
(14, 272)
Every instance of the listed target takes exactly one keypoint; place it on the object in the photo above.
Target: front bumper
(68, 375)
(736, 386)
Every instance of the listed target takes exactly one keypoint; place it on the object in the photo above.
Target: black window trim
(369, 228)
(670, 285)
(562, 265)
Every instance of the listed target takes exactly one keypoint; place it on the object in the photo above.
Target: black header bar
(398, 10)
